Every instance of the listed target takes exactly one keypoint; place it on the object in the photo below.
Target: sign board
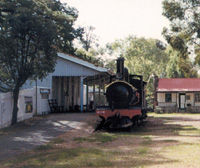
(44, 91)
(28, 104)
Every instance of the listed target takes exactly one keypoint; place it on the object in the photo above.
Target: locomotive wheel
(100, 125)
(116, 122)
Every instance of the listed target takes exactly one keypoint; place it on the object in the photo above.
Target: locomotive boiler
(125, 95)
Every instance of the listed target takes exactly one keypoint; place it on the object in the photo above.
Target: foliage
(185, 31)
(88, 48)
(29, 32)
(89, 38)
(172, 69)
(143, 57)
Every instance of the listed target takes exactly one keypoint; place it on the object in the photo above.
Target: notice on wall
(45, 93)
(28, 104)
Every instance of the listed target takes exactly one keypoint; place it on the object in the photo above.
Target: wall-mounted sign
(44, 91)
(28, 104)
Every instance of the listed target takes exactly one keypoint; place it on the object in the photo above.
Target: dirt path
(37, 131)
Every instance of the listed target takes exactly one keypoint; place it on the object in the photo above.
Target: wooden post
(62, 92)
(104, 91)
(99, 103)
(72, 92)
(81, 90)
(94, 100)
(87, 98)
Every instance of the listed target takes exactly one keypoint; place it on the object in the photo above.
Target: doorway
(182, 100)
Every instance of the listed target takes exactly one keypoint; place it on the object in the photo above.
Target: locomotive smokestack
(120, 68)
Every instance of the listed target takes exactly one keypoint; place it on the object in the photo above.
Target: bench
(54, 108)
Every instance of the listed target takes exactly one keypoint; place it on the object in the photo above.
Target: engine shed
(75, 84)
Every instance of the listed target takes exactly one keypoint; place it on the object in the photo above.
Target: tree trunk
(15, 106)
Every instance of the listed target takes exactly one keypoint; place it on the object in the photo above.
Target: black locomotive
(126, 100)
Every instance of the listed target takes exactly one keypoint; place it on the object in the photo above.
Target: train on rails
(126, 103)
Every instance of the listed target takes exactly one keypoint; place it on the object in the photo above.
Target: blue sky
(115, 19)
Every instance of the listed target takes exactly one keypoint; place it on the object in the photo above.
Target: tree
(184, 17)
(172, 69)
(91, 56)
(89, 38)
(30, 32)
(143, 57)
(185, 31)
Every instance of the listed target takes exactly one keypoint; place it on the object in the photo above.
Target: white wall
(175, 98)
(5, 109)
(6, 106)
(161, 100)
(42, 104)
(191, 101)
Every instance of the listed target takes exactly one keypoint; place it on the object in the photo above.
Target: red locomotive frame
(105, 113)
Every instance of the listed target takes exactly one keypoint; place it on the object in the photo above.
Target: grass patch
(83, 139)
(67, 158)
(147, 141)
(170, 140)
(142, 151)
(187, 154)
(152, 145)
(44, 147)
(98, 137)
(189, 133)
(185, 130)
(57, 141)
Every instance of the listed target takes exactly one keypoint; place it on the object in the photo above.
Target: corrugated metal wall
(68, 68)
(63, 68)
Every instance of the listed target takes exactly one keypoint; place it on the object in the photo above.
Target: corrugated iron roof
(82, 62)
(178, 85)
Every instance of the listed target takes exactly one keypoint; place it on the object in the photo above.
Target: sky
(116, 19)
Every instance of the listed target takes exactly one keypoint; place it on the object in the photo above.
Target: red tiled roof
(178, 85)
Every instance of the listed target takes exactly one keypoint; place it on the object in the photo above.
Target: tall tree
(89, 38)
(172, 69)
(143, 56)
(30, 30)
(185, 30)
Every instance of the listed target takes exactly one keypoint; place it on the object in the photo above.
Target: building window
(168, 97)
(197, 97)
(187, 97)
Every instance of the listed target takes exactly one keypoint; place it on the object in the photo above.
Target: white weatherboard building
(66, 84)
(178, 94)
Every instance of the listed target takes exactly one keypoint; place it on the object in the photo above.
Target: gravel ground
(36, 131)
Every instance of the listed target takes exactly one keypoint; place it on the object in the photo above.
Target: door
(182, 101)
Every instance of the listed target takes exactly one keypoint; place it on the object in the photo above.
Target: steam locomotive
(126, 100)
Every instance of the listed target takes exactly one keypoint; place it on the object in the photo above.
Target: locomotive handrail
(121, 82)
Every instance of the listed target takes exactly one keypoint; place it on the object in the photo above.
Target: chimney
(120, 68)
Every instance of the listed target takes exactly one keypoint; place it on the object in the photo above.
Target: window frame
(168, 97)
(197, 96)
